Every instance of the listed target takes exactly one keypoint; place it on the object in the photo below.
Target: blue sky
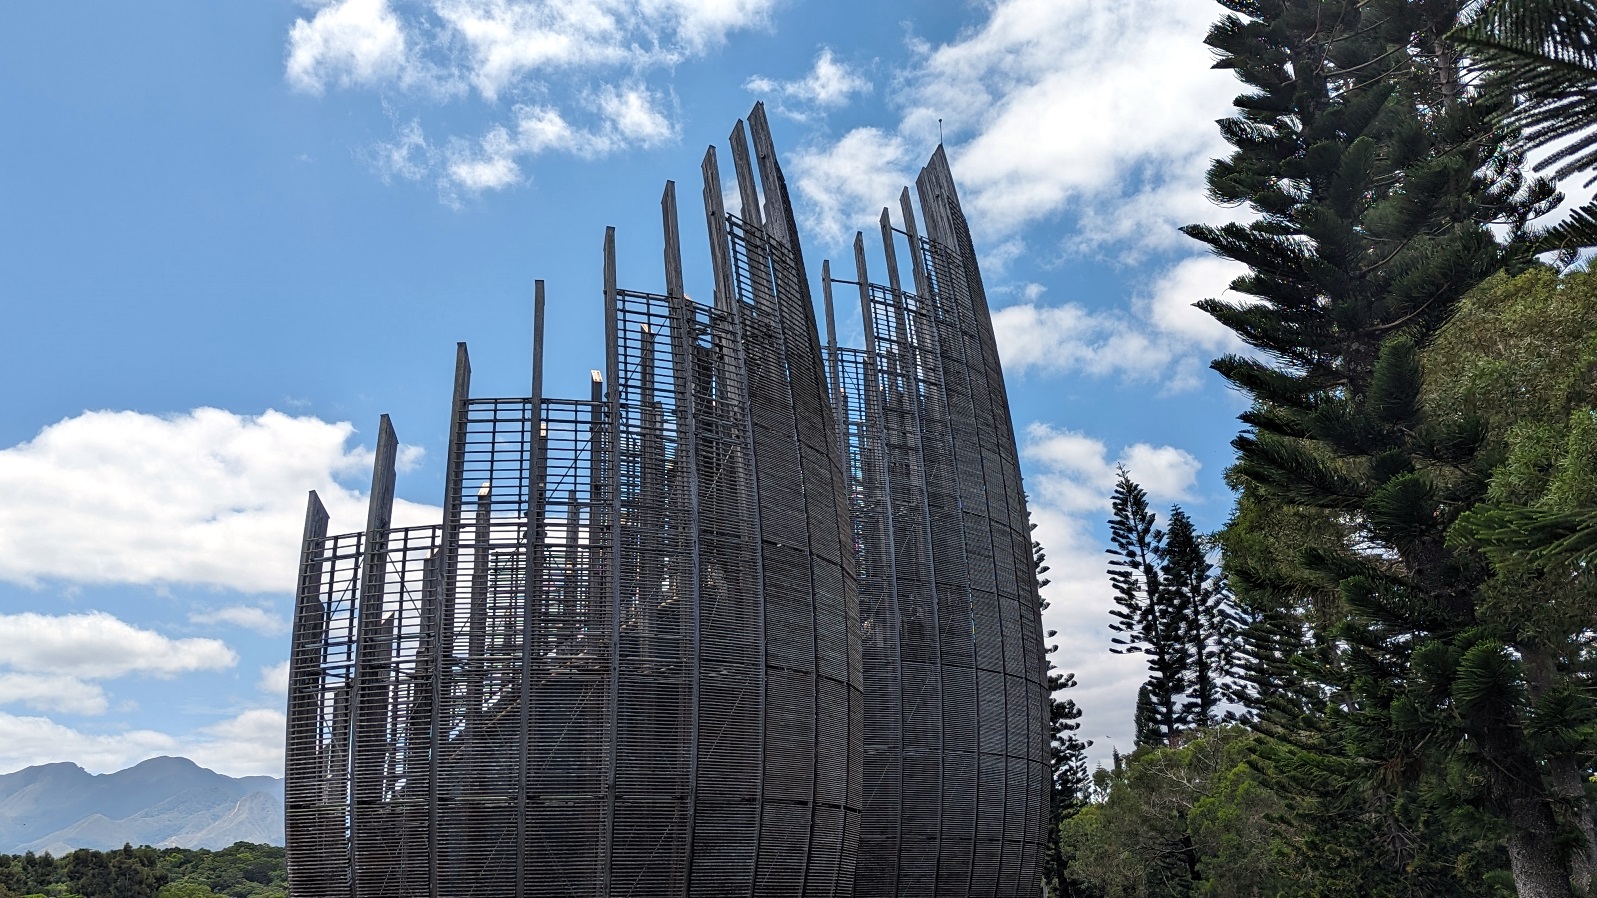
(234, 234)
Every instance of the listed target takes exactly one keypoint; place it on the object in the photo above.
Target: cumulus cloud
(633, 115)
(1066, 103)
(1072, 472)
(39, 740)
(843, 186)
(206, 498)
(247, 744)
(48, 663)
(249, 617)
(501, 43)
(1163, 339)
(274, 679)
(630, 115)
(98, 645)
(524, 54)
(347, 43)
(1051, 108)
(828, 85)
(52, 693)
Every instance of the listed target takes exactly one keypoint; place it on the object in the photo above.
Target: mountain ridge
(165, 802)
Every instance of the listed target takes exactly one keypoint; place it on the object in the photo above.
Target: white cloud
(845, 185)
(702, 24)
(1168, 306)
(1163, 339)
(540, 128)
(248, 617)
(632, 113)
(630, 116)
(829, 84)
(408, 155)
(497, 45)
(249, 744)
(38, 740)
(1103, 112)
(206, 498)
(52, 693)
(490, 164)
(1072, 472)
(1076, 103)
(348, 43)
(52, 659)
(528, 53)
(97, 645)
(274, 679)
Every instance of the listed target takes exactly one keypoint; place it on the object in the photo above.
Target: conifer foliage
(1376, 172)
(1070, 784)
(1173, 609)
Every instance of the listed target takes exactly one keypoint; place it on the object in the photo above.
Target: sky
(232, 235)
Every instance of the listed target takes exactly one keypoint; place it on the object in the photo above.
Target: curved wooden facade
(956, 704)
(636, 656)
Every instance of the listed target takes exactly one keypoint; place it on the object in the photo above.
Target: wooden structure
(754, 618)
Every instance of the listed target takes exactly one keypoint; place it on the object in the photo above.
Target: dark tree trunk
(1538, 864)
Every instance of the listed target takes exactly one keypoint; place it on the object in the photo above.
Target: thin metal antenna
(939, 130)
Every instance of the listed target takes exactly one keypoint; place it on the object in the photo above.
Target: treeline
(1386, 685)
(241, 871)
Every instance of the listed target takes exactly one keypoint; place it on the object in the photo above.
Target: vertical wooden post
(687, 454)
(303, 788)
(613, 375)
(369, 741)
(834, 366)
(532, 592)
(715, 216)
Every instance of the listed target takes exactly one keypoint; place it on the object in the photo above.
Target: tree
(1189, 820)
(1520, 357)
(1538, 59)
(1374, 172)
(1071, 790)
(1149, 619)
(128, 873)
(1070, 783)
(1188, 576)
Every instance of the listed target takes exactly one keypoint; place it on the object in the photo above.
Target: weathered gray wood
(372, 651)
(891, 253)
(748, 193)
(835, 371)
(454, 473)
(715, 216)
(778, 215)
(863, 280)
(758, 255)
(612, 344)
(380, 507)
(303, 733)
(531, 612)
(685, 393)
(316, 519)
(933, 184)
(673, 241)
(917, 258)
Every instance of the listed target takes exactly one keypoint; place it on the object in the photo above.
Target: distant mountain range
(165, 802)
